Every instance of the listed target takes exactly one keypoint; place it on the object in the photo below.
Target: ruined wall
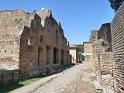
(103, 63)
(44, 42)
(93, 36)
(117, 27)
(31, 41)
(106, 69)
(98, 48)
(105, 34)
(11, 23)
(106, 63)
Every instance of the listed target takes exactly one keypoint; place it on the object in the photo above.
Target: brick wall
(29, 41)
(117, 27)
(102, 61)
(106, 63)
(105, 34)
(98, 49)
(11, 23)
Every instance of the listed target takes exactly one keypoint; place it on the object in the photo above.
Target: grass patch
(29, 81)
(13, 86)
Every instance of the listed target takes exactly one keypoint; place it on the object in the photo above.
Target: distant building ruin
(93, 35)
(87, 51)
(73, 54)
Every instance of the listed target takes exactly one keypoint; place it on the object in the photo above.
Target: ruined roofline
(96, 30)
(48, 13)
(105, 24)
(42, 14)
(14, 10)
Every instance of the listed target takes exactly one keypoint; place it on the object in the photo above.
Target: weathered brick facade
(102, 54)
(105, 34)
(106, 63)
(117, 27)
(98, 49)
(101, 45)
(31, 41)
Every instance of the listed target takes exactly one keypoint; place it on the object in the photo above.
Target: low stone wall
(43, 70)
(11, 76)
(8, 76)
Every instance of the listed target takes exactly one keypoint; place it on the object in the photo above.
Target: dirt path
(74, 80)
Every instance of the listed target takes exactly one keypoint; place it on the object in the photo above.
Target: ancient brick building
(117, 27)
(31, 41)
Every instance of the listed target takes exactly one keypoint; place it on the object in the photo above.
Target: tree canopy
(80, 51)
(115, 4)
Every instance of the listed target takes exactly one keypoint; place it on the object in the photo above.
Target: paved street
(76, 79)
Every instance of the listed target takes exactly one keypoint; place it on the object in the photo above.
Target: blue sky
(78, 17)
